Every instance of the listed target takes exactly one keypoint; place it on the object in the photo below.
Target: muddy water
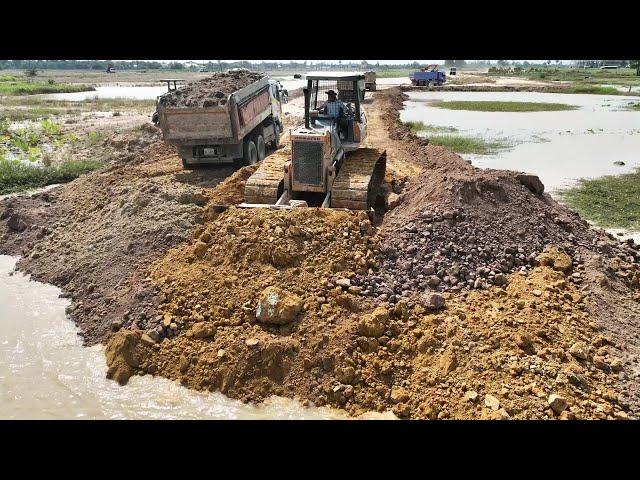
(45, 372)
(558, 146)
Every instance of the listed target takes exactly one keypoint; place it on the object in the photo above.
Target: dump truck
(370, 81)
(232, 130)
(427, 76)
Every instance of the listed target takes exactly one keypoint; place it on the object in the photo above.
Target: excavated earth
(210, 91)
(475, 296)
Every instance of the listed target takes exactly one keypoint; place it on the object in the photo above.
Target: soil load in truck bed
(210, 91)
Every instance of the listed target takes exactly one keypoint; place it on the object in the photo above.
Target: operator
(333, 107)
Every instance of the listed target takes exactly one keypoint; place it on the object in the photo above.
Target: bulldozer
(326, 165)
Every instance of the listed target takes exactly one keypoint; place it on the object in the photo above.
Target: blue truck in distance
(427, 76)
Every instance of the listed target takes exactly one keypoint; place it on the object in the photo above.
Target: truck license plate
(210, 152)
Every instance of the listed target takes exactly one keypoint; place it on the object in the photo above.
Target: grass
(494, 106)
(394, 73)
(621, 76)
(611, 201)
(466, 144)
(32, 108)
(27, 142)
(634, 106)
(456, 143)
(416, 127)
(10, 85)
(593, 89)
(16, 176)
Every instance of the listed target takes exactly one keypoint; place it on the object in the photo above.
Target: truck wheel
(250, 153)
(261, 148)
(186, 165)
(276, 139)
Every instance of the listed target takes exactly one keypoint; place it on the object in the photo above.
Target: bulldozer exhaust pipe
(307, 102)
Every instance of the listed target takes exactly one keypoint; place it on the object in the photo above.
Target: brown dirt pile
(95, 236)
(234, 257)
(210, 91)
(524, 351)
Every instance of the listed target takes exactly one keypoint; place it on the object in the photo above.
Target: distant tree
(176, 66)
(635, 64)
(502, 63)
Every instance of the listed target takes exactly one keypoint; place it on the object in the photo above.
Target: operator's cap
(331, 92)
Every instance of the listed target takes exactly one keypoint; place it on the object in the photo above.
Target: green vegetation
(394, 73)
(11, 85)
(492, 106)
(620, 76)
(634, 106)
(611, 201)
(593, 89)
(27, 142)
(416, 127)
(467, 144)
(16, 176)
(31, 108)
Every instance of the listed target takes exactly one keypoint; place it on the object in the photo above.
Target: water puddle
(559, 146)
(45, 372)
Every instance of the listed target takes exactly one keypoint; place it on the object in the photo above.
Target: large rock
(393, 200)
(433, 301)
(532, 182)
(121, 355)
(202, 330)
(16, 223)
(374, 324)
(557, 403)
(277, 306)
(555, 259)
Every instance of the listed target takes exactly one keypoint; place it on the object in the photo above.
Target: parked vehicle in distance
(427, 76)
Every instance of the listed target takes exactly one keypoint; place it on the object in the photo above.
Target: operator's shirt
(334, 108)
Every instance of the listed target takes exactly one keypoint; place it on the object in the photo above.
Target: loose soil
(211, 91)
(144, 249)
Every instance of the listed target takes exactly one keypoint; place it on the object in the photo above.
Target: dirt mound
(233, 258)
(95, 236)
(500, 353)
(210, 91)
(458, 226)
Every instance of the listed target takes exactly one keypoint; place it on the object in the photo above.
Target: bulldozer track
(266, 184)
(359, 179)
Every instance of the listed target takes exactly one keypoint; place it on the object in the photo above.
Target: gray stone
(433, 301)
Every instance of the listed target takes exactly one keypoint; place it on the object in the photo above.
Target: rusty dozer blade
(359, 180)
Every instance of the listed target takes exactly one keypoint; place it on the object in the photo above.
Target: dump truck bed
(229, 123)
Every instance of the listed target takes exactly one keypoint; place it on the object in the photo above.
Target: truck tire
(186, 165)
(249, 153)
(275, 143)
(260, 146)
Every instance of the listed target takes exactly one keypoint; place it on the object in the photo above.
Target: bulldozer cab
(343, 117)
